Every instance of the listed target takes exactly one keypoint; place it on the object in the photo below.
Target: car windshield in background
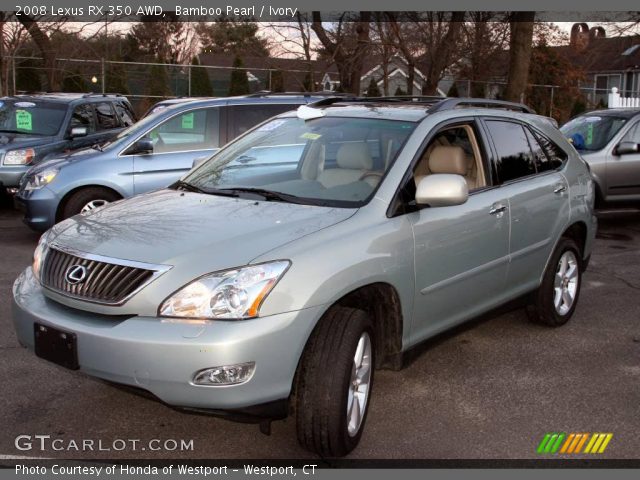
(592, 132)
(31, 118)
(328, 161)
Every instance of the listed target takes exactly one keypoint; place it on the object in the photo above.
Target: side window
(106, 117)
(124, 114)
(245, 117)
(82, 116)
(515, 159)
(193, 130)
(553, 158)
(633, 135)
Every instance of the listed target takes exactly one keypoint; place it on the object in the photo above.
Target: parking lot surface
(491, 389)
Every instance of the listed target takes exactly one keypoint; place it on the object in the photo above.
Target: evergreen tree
(116, 81)
(74, 83)
(28, 77)
(372, 89)
(200, 83)
(400, 92)
(453, 91)
(307, 84)
(239, 84)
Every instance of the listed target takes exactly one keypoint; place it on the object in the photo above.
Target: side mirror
(78, 132)
(198, 161)
(143, 146)
(442, 190)
(625, 148)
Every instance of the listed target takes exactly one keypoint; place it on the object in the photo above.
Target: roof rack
(268, 93)
(435, 103)
(451, 103)
(87, 95)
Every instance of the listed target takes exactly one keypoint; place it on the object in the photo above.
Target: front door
(623, 171)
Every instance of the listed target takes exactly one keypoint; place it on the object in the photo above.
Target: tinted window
(26, 117)
(245, 117)
(82, 116)
(193, 130)
(515, 159)
(106, 118)
(553, 157)
(124, 114)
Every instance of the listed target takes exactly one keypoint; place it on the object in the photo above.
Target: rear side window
(245, 117)
(82, 116)
(106, 117)
(515, 158)
(553, 157)
(124, 114)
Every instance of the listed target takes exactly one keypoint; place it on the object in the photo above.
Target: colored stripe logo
(572, 443)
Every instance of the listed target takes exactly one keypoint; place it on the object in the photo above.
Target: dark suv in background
(33, 127)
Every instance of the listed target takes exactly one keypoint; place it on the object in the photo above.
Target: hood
(63, 159)
(11, 141)
(211, 232)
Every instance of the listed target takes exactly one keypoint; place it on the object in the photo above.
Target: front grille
(105, 281)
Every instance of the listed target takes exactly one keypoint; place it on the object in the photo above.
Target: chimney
(579, 39)
(596, 32)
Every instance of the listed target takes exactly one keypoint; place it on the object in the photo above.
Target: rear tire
(87, 199)
(555, 300)
(332, 391)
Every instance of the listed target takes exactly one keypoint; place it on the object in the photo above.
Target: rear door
(83, 115)
(177, 142)
(623, 171)
(538, 198)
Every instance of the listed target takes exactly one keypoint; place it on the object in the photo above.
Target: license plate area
(57, 346)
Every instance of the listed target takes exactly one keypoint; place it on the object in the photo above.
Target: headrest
(448, 159)
(354, 156)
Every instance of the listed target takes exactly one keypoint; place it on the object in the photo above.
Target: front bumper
(161, 356)
(10, 175)
(39, 208)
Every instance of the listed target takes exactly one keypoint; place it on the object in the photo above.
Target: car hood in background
(12, 141)
(213, 232)
(63, 159)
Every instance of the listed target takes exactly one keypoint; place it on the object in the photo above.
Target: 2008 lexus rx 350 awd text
(274, 289)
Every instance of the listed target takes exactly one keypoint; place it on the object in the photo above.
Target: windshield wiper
(268, 195)
(188, 187)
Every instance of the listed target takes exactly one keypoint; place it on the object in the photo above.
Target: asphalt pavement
(489, 390)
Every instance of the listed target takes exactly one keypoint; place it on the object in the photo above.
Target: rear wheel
(88, 199)
(334, 383)
(555, 300)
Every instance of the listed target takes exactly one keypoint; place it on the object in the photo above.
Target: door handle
(559, 189)
(497, 209)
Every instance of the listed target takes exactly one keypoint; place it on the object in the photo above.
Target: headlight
(40, 179)
(19, 157)
(39, 254)
(230, 294)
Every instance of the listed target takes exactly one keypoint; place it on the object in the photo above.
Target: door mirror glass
(625, 148)
(442, 190)
(143, 146)
(78, 132)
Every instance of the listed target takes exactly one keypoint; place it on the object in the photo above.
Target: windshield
(592, 132)
(31, 117)
(328, 161)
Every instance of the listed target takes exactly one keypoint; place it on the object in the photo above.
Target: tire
(324, 380)
(82, 198)
(562, 280)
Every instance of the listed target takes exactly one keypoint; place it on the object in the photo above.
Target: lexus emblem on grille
(75, 274)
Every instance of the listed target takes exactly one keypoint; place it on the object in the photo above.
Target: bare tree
(347, 44)
(520, 46)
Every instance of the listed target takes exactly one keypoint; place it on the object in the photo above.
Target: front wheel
(334, 383)
(88, 199)
(555, 300)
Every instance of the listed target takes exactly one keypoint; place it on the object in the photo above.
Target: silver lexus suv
(261, 289)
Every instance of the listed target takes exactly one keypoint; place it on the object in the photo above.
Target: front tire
(87, 199)
(334, 383)
(555, 300)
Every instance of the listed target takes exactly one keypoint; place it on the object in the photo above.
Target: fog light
(225, 375)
